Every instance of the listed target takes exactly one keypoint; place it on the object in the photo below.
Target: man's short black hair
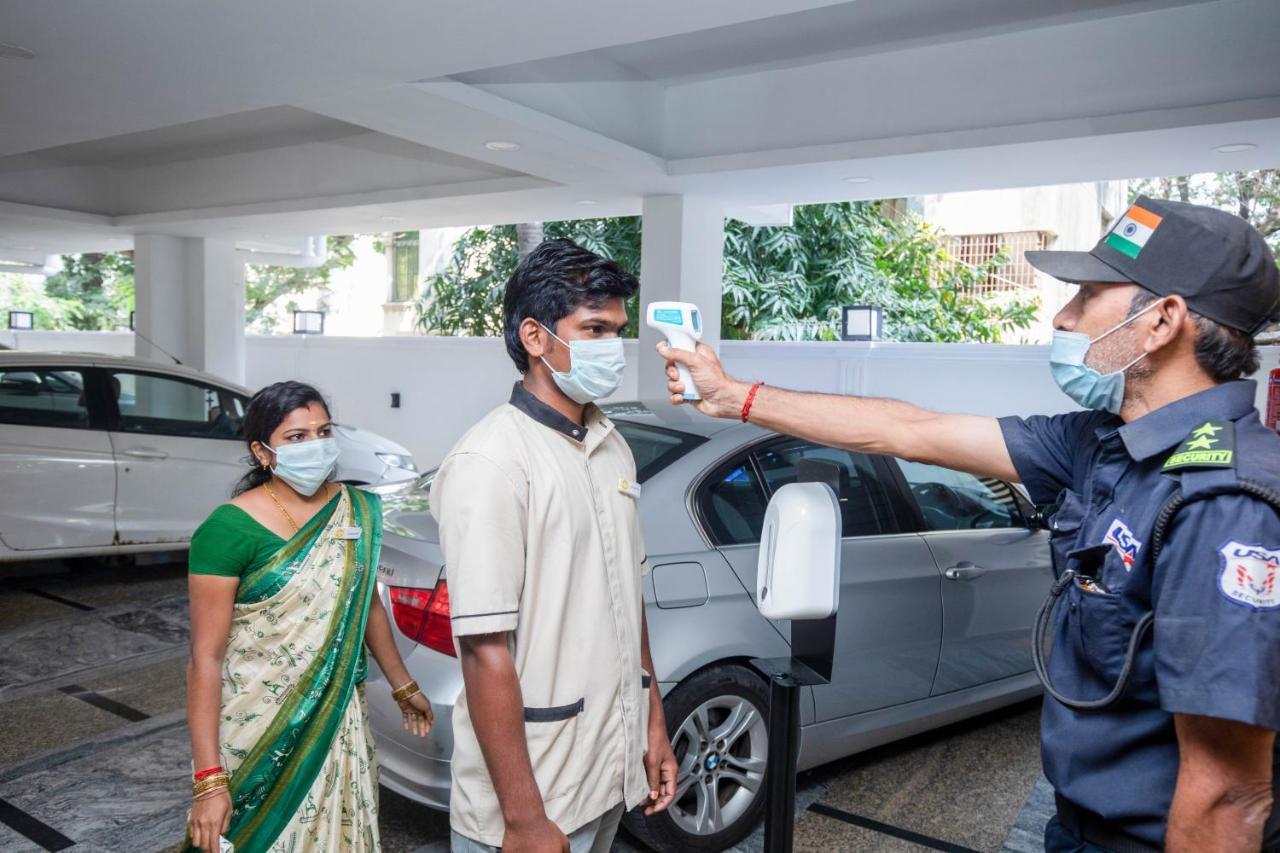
(552, 282)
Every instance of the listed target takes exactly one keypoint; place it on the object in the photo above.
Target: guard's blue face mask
(305, 466)
(1091, 389)
(595, 368)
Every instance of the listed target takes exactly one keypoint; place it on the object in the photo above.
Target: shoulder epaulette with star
(1211, 445)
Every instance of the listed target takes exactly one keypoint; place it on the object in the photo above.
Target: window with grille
(404, 266)
(977, 250)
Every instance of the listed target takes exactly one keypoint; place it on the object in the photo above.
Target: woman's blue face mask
(306, 465)
(1087, 386)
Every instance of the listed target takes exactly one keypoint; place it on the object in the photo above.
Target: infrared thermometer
(681, 322)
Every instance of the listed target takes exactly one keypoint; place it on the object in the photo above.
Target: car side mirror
(798, 574)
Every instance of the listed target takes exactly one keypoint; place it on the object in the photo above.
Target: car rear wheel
(717, 721)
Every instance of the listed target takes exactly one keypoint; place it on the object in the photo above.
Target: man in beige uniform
(560, 725)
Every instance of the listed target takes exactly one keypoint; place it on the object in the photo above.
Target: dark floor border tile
(32, 829)
(97, 700)
(889, 829)
(59, 599)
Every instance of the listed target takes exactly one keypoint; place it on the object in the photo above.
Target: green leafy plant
(92, 292)
(265, 285)
(26, 293)
(466, 298)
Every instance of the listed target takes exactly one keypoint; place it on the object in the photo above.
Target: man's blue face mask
(595, 368)
(1091, 389)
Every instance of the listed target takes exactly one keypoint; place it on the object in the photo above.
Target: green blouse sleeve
(220, 545)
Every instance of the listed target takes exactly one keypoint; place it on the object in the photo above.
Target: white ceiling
(242, 119)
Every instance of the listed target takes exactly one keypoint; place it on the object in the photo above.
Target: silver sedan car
(943, 574)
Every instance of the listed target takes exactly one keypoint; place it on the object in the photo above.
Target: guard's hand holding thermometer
(681, 322)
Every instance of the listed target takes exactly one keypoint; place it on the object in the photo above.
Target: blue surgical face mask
(305, 466)
(595, 368)
(1091, 389)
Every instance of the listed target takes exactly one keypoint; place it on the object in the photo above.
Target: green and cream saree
(293, 730)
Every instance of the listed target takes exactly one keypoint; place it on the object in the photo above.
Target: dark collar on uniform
(545, 415)
(1160, 430)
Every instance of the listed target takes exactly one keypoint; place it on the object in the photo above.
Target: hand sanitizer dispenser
(681, 322)
(798, 576)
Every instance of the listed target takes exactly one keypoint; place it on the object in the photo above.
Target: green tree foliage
(789, 283)
(1255, 196)
(265, 285)
(466, 298)
(26, 293)
(780, 283)
(92, 292)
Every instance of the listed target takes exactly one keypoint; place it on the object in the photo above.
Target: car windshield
(654, 448)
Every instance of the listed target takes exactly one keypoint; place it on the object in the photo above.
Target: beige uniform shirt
(541, 536)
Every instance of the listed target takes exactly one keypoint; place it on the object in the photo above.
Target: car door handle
(964, 571)
(145, 454)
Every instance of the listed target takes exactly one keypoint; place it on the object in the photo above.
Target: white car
(108, 455)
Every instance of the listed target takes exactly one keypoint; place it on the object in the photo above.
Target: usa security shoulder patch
(1210, 445)
(1250, 575)
(1119, 535)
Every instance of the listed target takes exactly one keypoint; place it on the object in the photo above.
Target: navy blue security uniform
(1214, 648)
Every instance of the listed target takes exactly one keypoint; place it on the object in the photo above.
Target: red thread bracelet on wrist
(205, 774)
(751, 398)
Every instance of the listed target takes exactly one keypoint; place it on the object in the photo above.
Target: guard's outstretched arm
(962, 442)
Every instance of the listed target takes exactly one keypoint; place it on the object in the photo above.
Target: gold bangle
(197, 791)
(210, 781)
(220, 780)
(406, 691)
(209, 792)
(212, 792)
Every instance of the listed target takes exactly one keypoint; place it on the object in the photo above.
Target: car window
(865, 508)
(655, 448)
(732, 504)
(951, 500)
(43, 396)
(164, 405)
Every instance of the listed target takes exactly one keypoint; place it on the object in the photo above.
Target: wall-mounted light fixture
(308, 322)
(861, 323)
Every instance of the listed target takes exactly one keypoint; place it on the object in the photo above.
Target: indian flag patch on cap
(1133, 231)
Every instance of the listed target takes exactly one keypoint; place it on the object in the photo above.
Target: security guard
(1163, 626)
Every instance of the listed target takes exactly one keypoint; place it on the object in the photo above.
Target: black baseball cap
(1215, 260)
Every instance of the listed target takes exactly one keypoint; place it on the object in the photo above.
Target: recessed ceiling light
(857, 179)
(13, 51)
(589, 202)
(502, 145)
(1235, 148)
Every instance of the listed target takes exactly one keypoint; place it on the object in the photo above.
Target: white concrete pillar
(681, 259)
(190, 303)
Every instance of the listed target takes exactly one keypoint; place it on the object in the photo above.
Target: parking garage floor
(94, 754)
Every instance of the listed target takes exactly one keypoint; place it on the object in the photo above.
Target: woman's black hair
(267, 410)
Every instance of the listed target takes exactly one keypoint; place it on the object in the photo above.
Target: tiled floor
(94, 752)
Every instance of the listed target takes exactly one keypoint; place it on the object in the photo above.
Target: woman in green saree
(282, 609)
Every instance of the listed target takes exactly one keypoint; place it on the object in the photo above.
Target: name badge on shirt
(628, 488)
(347, 533)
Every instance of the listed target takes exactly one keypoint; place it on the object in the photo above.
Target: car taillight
(422, 615)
